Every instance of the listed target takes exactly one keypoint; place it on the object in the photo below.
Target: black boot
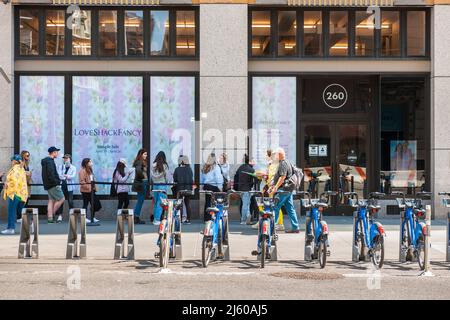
(137, 220)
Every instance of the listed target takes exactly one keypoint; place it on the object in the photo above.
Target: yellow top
(16, 184)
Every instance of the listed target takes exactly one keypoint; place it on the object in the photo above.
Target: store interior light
(57, 24)
(371, 26)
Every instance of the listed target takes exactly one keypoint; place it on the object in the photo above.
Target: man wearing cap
(52, 183)
(67, 173)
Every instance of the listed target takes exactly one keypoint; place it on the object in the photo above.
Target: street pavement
(100, 277)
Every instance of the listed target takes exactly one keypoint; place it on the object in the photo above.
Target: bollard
(226, 241)
(76, 247)
(29, 248)
(121, 241)
(427, 270)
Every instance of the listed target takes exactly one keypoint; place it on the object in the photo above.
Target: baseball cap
(124, 161)
(66, 155)
(16, 157)
(52, 149)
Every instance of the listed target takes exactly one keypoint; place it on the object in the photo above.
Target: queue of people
(59, 182)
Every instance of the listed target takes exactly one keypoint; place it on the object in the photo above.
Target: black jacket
(50, 177)
(245, 181)
(139, 177)
(183, 177)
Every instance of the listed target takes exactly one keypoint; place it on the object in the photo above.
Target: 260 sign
(335, 96)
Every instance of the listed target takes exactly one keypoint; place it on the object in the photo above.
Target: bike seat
(374, 207)
(212, 209)
(164, 203)
(321, 205)
(420, 212)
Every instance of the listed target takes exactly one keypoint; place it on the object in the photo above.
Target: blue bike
(169, 233)
(413, 231)
(368, 234)
(316, 228)
(215, 230)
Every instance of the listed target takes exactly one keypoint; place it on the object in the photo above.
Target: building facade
(355, 91)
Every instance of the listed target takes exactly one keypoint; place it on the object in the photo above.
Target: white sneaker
(156, 222)
(59, 218)
(243, 222)
(8, 231)
(256, 225)
(88, 220)
(19, 220)
(96, 220)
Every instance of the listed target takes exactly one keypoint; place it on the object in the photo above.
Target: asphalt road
(100, 277)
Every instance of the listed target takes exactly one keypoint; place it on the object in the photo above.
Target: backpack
(294, 182)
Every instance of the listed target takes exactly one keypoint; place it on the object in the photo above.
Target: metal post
(123, 242)
(308, 243)
(355, 249)
(226, 243)
(402, 250)
(28, 247)
(76, 248)
(427, 270)
(448, 237)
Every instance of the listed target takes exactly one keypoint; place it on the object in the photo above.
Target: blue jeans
(140, 202)
(245, 206)
(157, 196)
(13, 207)
(287, 201)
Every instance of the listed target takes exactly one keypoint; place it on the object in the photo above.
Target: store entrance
(335, 157)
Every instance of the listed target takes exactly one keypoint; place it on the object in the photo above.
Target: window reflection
(134, 33)
(29, 32)
(416, 33)
(312, 30)
(390, 33)
(261, 33)
(287, 28)
(107, 32)
(364, 33)
(81, 33)
(159, 24)
(185, 41)
(338, 33)
(54, 32)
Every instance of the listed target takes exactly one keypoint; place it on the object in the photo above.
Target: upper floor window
(107, 33)
(160, 31)
(134, 33)
(338, 33)
(54, 32)
(29, 32)
(81, 33)
(185, 40)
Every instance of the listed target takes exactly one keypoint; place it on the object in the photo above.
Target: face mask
(67, 163)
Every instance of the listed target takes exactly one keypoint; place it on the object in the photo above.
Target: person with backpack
(183, 177)
(246, 183)
(285, 179)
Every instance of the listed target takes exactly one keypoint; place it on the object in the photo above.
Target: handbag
(113, 189)
(97, 204)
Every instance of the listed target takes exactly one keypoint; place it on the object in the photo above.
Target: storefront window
(107, 32)
(390, 33)
(338, 45)
(185, 30)
(81, 33)
(312, 30)
(134, 33)
(364, 33)
(403, 137)
(106, 122)
(159, 24)
(29, 32)
(172, 118)
(54, 32)
(41, 121)
(416, 30)
(287, 30)
(274, 116)
(261, 26)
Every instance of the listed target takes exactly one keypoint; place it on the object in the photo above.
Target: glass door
(335, 158)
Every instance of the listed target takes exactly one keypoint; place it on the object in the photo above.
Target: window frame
(326, 35)
(120, 34)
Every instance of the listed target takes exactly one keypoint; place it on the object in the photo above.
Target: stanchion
(123, 241)
(76, 247)
(427, 270)
(29, 247)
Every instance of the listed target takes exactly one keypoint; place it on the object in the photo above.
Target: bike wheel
(421, 252)
(322, 253)
(206, 251)
(162, 250)
(378, 252)
(263, 244)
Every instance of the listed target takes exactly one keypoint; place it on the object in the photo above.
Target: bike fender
(162, 226)
(265, 228)
(377, 229)
(208, 230)
(324, 227)
(423, 229)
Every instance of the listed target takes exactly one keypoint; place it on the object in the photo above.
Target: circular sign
(335, 96)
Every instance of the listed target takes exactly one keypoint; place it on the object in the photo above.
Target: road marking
(439, 246)
(196, 273)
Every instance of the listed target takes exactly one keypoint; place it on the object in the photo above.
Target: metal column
(448, 238)
(124, 245)
(76, 247)
(29, 247)
(309, 244)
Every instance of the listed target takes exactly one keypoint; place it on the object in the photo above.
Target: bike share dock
(29, 246)
(76, 244)
(124, 244)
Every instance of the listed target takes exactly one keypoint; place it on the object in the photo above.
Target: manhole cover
(308, 275)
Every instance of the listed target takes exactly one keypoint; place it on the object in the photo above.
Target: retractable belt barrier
(29, 246)
(124, 245)
(76, 246)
